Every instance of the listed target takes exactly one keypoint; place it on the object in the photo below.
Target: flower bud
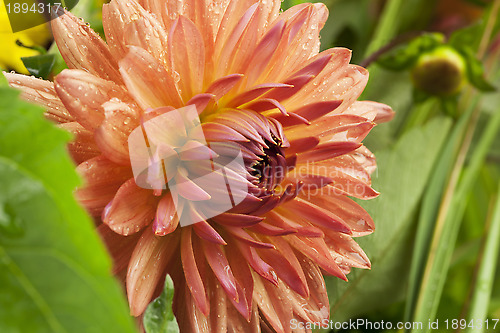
(440, 72)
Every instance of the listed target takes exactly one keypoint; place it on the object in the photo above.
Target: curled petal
(102, 179)
(126, 23)
(84, 94)
(131, 209)
(166, 219)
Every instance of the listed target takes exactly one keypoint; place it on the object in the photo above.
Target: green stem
(448, 223)
(387, 28)
(486, 272)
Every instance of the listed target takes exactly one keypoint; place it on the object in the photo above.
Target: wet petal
(82, 48)
(40, 92)
(145, 269)
(132, 209)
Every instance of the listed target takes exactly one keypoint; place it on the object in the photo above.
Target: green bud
(440, 72)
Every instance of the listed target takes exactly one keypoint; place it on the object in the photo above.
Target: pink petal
(316, 250)
(255, 261)
(218, 262)
(219, 132)
(348, 252)
(242, 236)
(286, 265)
(189, 189)
(266, 305)
(222, 86)
(373, 111)
(302, 145)
(237, 18)
(166, 220)
(328, 127)
(327, 151)
(310, 112)
(264, 51)
(205, 231)
(201, 101)
(237, 220)
(255, 92)
(317, 216)
(301, 39)
(244, 280)
(193, 278)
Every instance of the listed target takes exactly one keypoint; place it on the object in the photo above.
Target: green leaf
(475, 71)
(159, 317)
(54, 270)
(404, 57)
(486, 274)
(403, 173)
(40, 65)
(430, 207)
(446, 230)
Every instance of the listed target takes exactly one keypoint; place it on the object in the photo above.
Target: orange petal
(146, 269)
(132, 209)
(82, 147)
(193, 278)
(187, 54)
(112, 136)
(120, 247)
(102, 179)
(373, 111)
(127, 23)
(82, 48)
(83, 94)
(148, 81)
(40, 92)
(353, 214)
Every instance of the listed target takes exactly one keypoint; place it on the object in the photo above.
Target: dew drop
(176, 76)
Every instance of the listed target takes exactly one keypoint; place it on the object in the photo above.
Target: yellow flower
(10, 52)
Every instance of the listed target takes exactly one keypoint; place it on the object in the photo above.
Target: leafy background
(435, 250)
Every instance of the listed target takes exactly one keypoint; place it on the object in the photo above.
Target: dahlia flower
(260, 87)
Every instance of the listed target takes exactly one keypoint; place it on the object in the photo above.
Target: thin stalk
(486, 273)
(387, 28)
(430, 206)
(451, 209)
(448, 223)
